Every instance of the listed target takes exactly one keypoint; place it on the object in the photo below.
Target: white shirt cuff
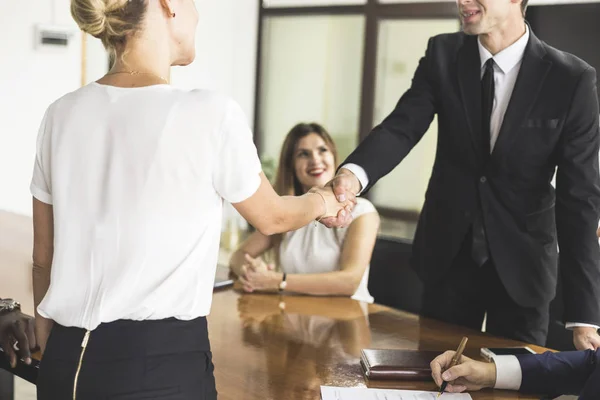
(508, 373)
(571, 325)
(360, 173)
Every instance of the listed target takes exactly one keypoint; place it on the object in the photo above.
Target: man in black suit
(551, 374)
(16, 327)
(510, 110)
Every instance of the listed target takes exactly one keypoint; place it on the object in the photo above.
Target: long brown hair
(286, 181)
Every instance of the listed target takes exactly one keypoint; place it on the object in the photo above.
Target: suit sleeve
(554, 374)
(578, 204)
(389, 142)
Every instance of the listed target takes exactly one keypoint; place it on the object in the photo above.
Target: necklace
(138, 73)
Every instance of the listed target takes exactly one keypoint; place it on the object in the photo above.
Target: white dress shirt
(507, 65)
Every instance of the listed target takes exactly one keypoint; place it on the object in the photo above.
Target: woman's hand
(333, 208)
(345, 185)
(258, 275)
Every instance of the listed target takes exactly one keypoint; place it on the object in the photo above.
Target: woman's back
(128, 186)
(136, 177)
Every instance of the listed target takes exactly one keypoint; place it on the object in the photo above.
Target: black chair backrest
(392, 282)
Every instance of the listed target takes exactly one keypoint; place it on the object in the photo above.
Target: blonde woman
(128, 185)
(314, 259)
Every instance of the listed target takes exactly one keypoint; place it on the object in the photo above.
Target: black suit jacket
(554, 374)
(552, 120)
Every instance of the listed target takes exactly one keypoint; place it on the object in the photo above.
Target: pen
(455, 360)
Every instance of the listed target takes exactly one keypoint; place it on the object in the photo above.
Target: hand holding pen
(453, 362)
(456, 373)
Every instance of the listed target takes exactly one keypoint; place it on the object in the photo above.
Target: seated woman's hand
(334, 208)
(257, 264)
(258, 275)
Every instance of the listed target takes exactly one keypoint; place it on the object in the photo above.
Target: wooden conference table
(263, 352)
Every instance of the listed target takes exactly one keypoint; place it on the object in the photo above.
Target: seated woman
(312, 260)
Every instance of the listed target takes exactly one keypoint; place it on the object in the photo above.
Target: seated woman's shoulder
(363, 206)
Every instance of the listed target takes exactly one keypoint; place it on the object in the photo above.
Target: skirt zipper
(84, 344)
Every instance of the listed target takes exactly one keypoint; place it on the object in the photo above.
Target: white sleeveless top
(137, 178)
(317, 249)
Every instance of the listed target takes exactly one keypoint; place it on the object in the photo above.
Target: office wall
(31, 77)
(226, 50)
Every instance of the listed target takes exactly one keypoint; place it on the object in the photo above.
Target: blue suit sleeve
(557, 373)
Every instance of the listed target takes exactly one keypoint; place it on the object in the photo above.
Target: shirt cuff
(360, 173)
(508, 373)
(571, 325)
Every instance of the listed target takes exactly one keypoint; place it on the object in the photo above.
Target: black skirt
(129, 360)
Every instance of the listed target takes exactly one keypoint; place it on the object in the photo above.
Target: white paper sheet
(342, 393)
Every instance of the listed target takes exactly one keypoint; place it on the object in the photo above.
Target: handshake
(339, 196)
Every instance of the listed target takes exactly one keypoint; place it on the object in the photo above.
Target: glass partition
(311, 71)
(402, 43)
(308, 3)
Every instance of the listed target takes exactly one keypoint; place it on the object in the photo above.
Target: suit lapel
(529, 82)
(469, 81)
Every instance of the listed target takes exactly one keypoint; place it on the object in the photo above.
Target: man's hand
(345, 186)
(17, 327)
(467, 375)
(586, 338)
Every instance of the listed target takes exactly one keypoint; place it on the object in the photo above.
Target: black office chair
(392, 282)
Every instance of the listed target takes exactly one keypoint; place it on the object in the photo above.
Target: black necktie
(487, 104)
(479, 247)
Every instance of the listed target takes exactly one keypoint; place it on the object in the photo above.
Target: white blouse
(137, 178)
(317, 249)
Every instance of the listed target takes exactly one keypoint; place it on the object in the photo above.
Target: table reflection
(304, 344)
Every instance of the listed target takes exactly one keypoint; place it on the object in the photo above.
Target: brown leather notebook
(405, 365)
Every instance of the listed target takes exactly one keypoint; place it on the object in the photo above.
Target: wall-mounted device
(54, 36)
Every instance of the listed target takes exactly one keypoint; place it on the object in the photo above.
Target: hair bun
(111, 21)
(90, 15)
